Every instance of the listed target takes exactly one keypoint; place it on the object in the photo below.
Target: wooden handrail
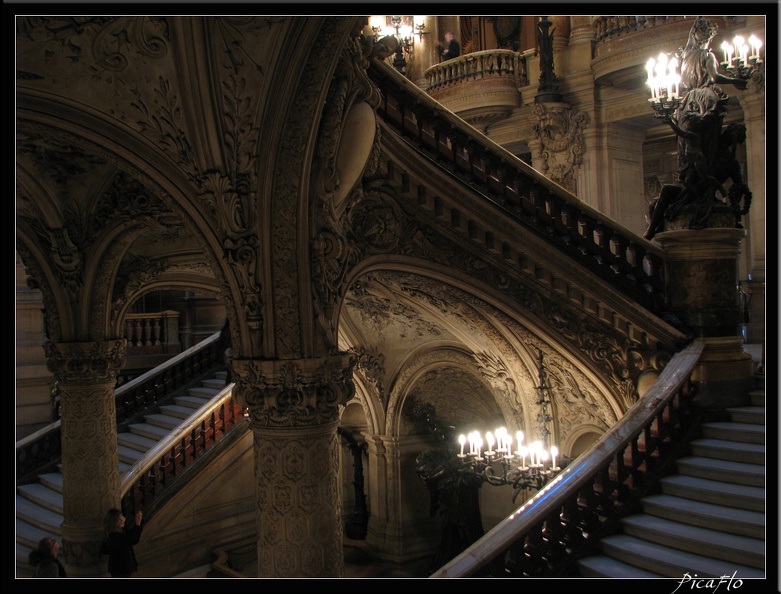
(608, 455)
(143, 484)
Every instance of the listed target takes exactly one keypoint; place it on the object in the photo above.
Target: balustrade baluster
(156, 329)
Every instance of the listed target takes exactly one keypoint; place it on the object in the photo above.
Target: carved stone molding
(294, 393)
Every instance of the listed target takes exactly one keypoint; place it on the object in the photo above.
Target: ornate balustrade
(148, 479)
(479, 66)
(630, 263)
(612, 27)
(564, 522)
(152, 333)
(482, 87)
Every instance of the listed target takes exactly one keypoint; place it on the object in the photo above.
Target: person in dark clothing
(44, 559)
(451, 50)
(119, 541)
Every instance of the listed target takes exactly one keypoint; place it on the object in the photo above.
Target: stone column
(702, 276)
(753, 103)
(294, 408)
(87, 372)
(581, 31)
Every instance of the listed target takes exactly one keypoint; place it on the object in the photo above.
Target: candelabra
(740, 60)
(665, 82)
(503, 466)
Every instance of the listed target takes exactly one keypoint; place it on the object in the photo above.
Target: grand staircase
(709, 519)
(39, 508)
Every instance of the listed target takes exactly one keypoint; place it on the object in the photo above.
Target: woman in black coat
(119, 541)
(44, 559)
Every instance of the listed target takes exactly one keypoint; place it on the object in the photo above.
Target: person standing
(44, 559)
(119, 541)
(451, 50)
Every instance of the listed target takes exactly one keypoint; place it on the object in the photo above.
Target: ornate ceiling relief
(447, 380)
(560, 134)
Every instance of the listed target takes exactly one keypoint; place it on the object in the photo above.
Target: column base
(724, 376)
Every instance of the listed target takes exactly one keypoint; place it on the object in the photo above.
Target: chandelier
(493, 460)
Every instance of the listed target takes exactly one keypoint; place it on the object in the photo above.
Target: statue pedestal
(702, 291)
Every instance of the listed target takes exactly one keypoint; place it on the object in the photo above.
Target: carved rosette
(294, 393)
(86, 373)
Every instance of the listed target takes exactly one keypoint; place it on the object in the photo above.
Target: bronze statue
(706, 157)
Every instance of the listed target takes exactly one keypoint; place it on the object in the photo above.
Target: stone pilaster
(294, 408)
(702, 291)
(87, 372)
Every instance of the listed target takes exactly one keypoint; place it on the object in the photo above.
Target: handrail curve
(552, 501)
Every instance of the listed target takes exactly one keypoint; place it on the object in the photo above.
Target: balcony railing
(152, 333)
(479, 66)
(564, 522)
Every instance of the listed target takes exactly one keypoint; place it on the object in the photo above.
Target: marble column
(702, 277)
(294, 408)
(87, 372)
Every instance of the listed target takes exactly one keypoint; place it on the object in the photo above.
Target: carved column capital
(294, 393)
(92, 362)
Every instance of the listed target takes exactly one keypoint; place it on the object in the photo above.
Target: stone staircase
(39, 505)
(709, 519)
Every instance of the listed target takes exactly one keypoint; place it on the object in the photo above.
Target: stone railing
(612, 27)
(152, 333)
(489, 64)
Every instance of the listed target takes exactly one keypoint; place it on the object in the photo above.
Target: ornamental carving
(294, 393)
(86, 362)
(371, 362)
(560, 133)
(343, 121)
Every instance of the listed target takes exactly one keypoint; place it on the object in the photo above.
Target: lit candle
(725, 47)
(755, 45)
(738, 42)
(533, 453)
(649, 67)
(673, 77)
(489, 437)
(519, 440)
(554, 451)
(543, 458)
(509, 445)
(462, 441)
(523, 451)
(478, 444)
